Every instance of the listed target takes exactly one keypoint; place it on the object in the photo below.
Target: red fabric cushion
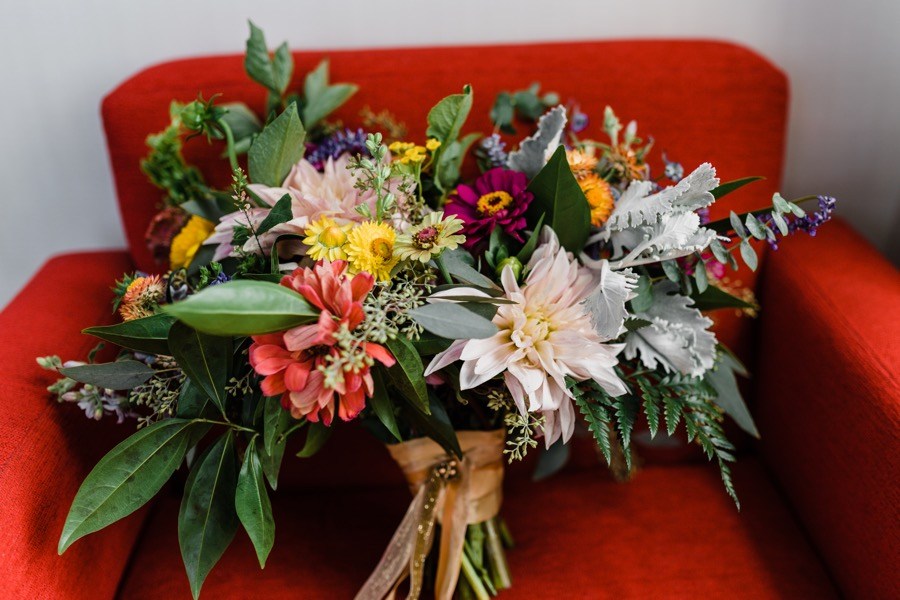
(828, 402)
(47, 449)
(672, 532)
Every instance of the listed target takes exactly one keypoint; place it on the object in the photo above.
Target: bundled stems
(484, 568)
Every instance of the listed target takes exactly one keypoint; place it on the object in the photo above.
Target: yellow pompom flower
(432, 144)
(406, 153)
(370, 248)
(599, 196)
(326, 239)
(185, 245)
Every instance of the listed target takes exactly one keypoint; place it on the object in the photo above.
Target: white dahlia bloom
(543, 338)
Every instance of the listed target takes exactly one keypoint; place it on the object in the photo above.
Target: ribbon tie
(446, 489)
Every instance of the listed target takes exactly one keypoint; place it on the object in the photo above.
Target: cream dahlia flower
(545, 337)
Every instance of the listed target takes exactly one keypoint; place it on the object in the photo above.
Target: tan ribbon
(454, 492)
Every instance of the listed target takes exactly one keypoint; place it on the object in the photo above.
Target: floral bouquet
(464, 316)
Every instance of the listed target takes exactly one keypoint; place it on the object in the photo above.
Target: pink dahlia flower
(545, 337)
(498, 198)
(295, 364)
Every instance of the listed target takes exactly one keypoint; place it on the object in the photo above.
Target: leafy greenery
(559, 199)
(243, 307)
(204, 358)
(320, 97)
(274, 73)
(253, 506)
(407, 373)
(126, 478)
(452, 321)
(277, 148)
(527, 104)
(119, 375)
(445, 121)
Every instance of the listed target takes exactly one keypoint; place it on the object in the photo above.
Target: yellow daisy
(370, 248)
(599, 196)
(326, 239)
(185, 245)
(429, 238)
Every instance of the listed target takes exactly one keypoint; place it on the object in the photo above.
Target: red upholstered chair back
(701, 100)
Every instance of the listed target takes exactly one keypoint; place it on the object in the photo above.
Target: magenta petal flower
(498, 198)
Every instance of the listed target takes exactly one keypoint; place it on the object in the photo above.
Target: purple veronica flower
(340, 142)
(809, 223)
(498, 198)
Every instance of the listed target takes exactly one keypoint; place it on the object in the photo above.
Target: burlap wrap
(454, 492)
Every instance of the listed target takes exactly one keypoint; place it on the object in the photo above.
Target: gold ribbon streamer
(457, 493)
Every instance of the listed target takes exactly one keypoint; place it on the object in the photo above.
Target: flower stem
(229, 140)
(226, 424)
(473, 579)
(496, 555)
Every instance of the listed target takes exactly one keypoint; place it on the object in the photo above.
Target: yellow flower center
(382, 248)
(490, 204)
(333, 237)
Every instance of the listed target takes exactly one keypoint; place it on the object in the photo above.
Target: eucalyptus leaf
(700, 277)
(558, 196)
(278, 147)
(452, 321)
(719, 251)
(149, 334)
(749, 255)
(672, 270)
(407, 373)
(460, 264)
(757, 229)
(251, 502)
(204, 358)
(126, 478)
(207, 520)
(119, 375)
(243, 307)
(737, 226)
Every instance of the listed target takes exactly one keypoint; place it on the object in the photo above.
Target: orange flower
(599, 196)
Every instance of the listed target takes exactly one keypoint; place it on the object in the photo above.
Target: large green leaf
(461, 265)
(251, 502)
(126, 478)
(207, 520)
(322, 98)
(558, 197)
(316, 436)
(204, 358)
(243, 308)
(277, 148)
(730, 186)
(382, 406)
(193, 403)
(276, 420)
(446, 171)
(280, 213)
(436, 425)
(714, 297)
(119, 375)
(452, 321)
(446, 118)
(407, 373)
(149, 334)
(256, 59)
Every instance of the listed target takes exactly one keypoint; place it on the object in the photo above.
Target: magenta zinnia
(498, 198)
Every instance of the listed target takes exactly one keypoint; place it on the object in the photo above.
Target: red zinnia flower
(498, 198)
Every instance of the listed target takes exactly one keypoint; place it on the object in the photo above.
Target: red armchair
(819, 491)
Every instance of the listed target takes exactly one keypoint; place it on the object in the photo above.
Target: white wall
(58, 58)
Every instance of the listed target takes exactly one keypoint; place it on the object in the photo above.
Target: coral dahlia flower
(545, 337)
(312, 367)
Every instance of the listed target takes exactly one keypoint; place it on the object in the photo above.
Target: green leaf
(461, 265)
(271, 463)
(119, 375)
(446, 171)
(280, 213)
(276, 421)
(282, 68)
(730, 186)
(551, 460)
(558, 196)
(737, 226)
(527, 250)
(700, 277)
(446, 118)
(277, 148)
(256, 59)
(644, 298)
(242, 121)
(672, 270)
(450, 320)
(749, 255)
(149, 335)
(781, 205)
(207, 520)
(204, 358)
(251, 502)
(211, 208)
(321, 97)
(722, 379)
(597, 419)
(407, 373)
(715, 297)
(633, 324)
(243, 307)
(719, 251)
(757, 229)
(126, 478)
(382, 406)
(436, 425)
(429, 344)
(193, 402)
(316, 436)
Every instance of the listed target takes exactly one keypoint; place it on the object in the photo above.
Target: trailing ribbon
(452, 491)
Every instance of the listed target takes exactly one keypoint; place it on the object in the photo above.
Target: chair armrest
(828, 400)
(47, 449)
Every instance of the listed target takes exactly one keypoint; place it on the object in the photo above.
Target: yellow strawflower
(370, 248)
(599, 196)
(185, 245)
(326, 239)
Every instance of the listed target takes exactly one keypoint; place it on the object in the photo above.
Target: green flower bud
(514, 263)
